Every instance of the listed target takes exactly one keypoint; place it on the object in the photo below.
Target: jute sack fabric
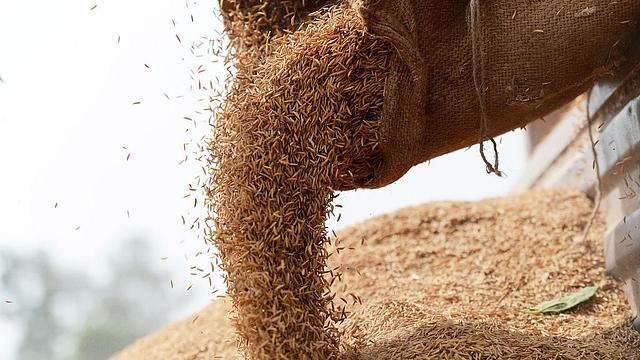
(465, 71)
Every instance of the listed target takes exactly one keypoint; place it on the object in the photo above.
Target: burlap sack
(463, 72)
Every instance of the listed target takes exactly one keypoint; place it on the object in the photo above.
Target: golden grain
(299, 121)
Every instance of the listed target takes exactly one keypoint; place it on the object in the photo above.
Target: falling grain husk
(295, 126)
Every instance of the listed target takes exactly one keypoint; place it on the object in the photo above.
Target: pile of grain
(299, 122)
(446, 280)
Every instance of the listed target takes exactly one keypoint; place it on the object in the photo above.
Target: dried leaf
(559, 305)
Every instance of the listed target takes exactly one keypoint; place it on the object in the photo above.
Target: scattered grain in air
(147, 66)
(195, 318)
(128, 156)
(600, 126)
(178, 37)
(55, 206)
(189, 288)
(136, 103)
(94, 6)
(171, 283)
(621, 162)
(8, 301)
(164, 258)
(118, 39)
(183, 221)
(128, 215)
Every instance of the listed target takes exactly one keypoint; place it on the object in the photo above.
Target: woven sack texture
(463, 72)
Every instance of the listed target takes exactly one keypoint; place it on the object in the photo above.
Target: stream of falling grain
(293, 129)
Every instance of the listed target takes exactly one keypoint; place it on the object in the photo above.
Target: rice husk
(251, 23)
(445, 280)
(456, 274)
(299, 121)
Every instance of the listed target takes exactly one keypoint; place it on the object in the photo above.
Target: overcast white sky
(77, 99)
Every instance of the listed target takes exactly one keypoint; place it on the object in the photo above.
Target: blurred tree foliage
(66, 314)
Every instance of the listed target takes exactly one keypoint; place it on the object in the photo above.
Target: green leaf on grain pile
(559, 305)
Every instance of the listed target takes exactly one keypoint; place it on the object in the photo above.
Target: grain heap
(295, 126)
(445, 280)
